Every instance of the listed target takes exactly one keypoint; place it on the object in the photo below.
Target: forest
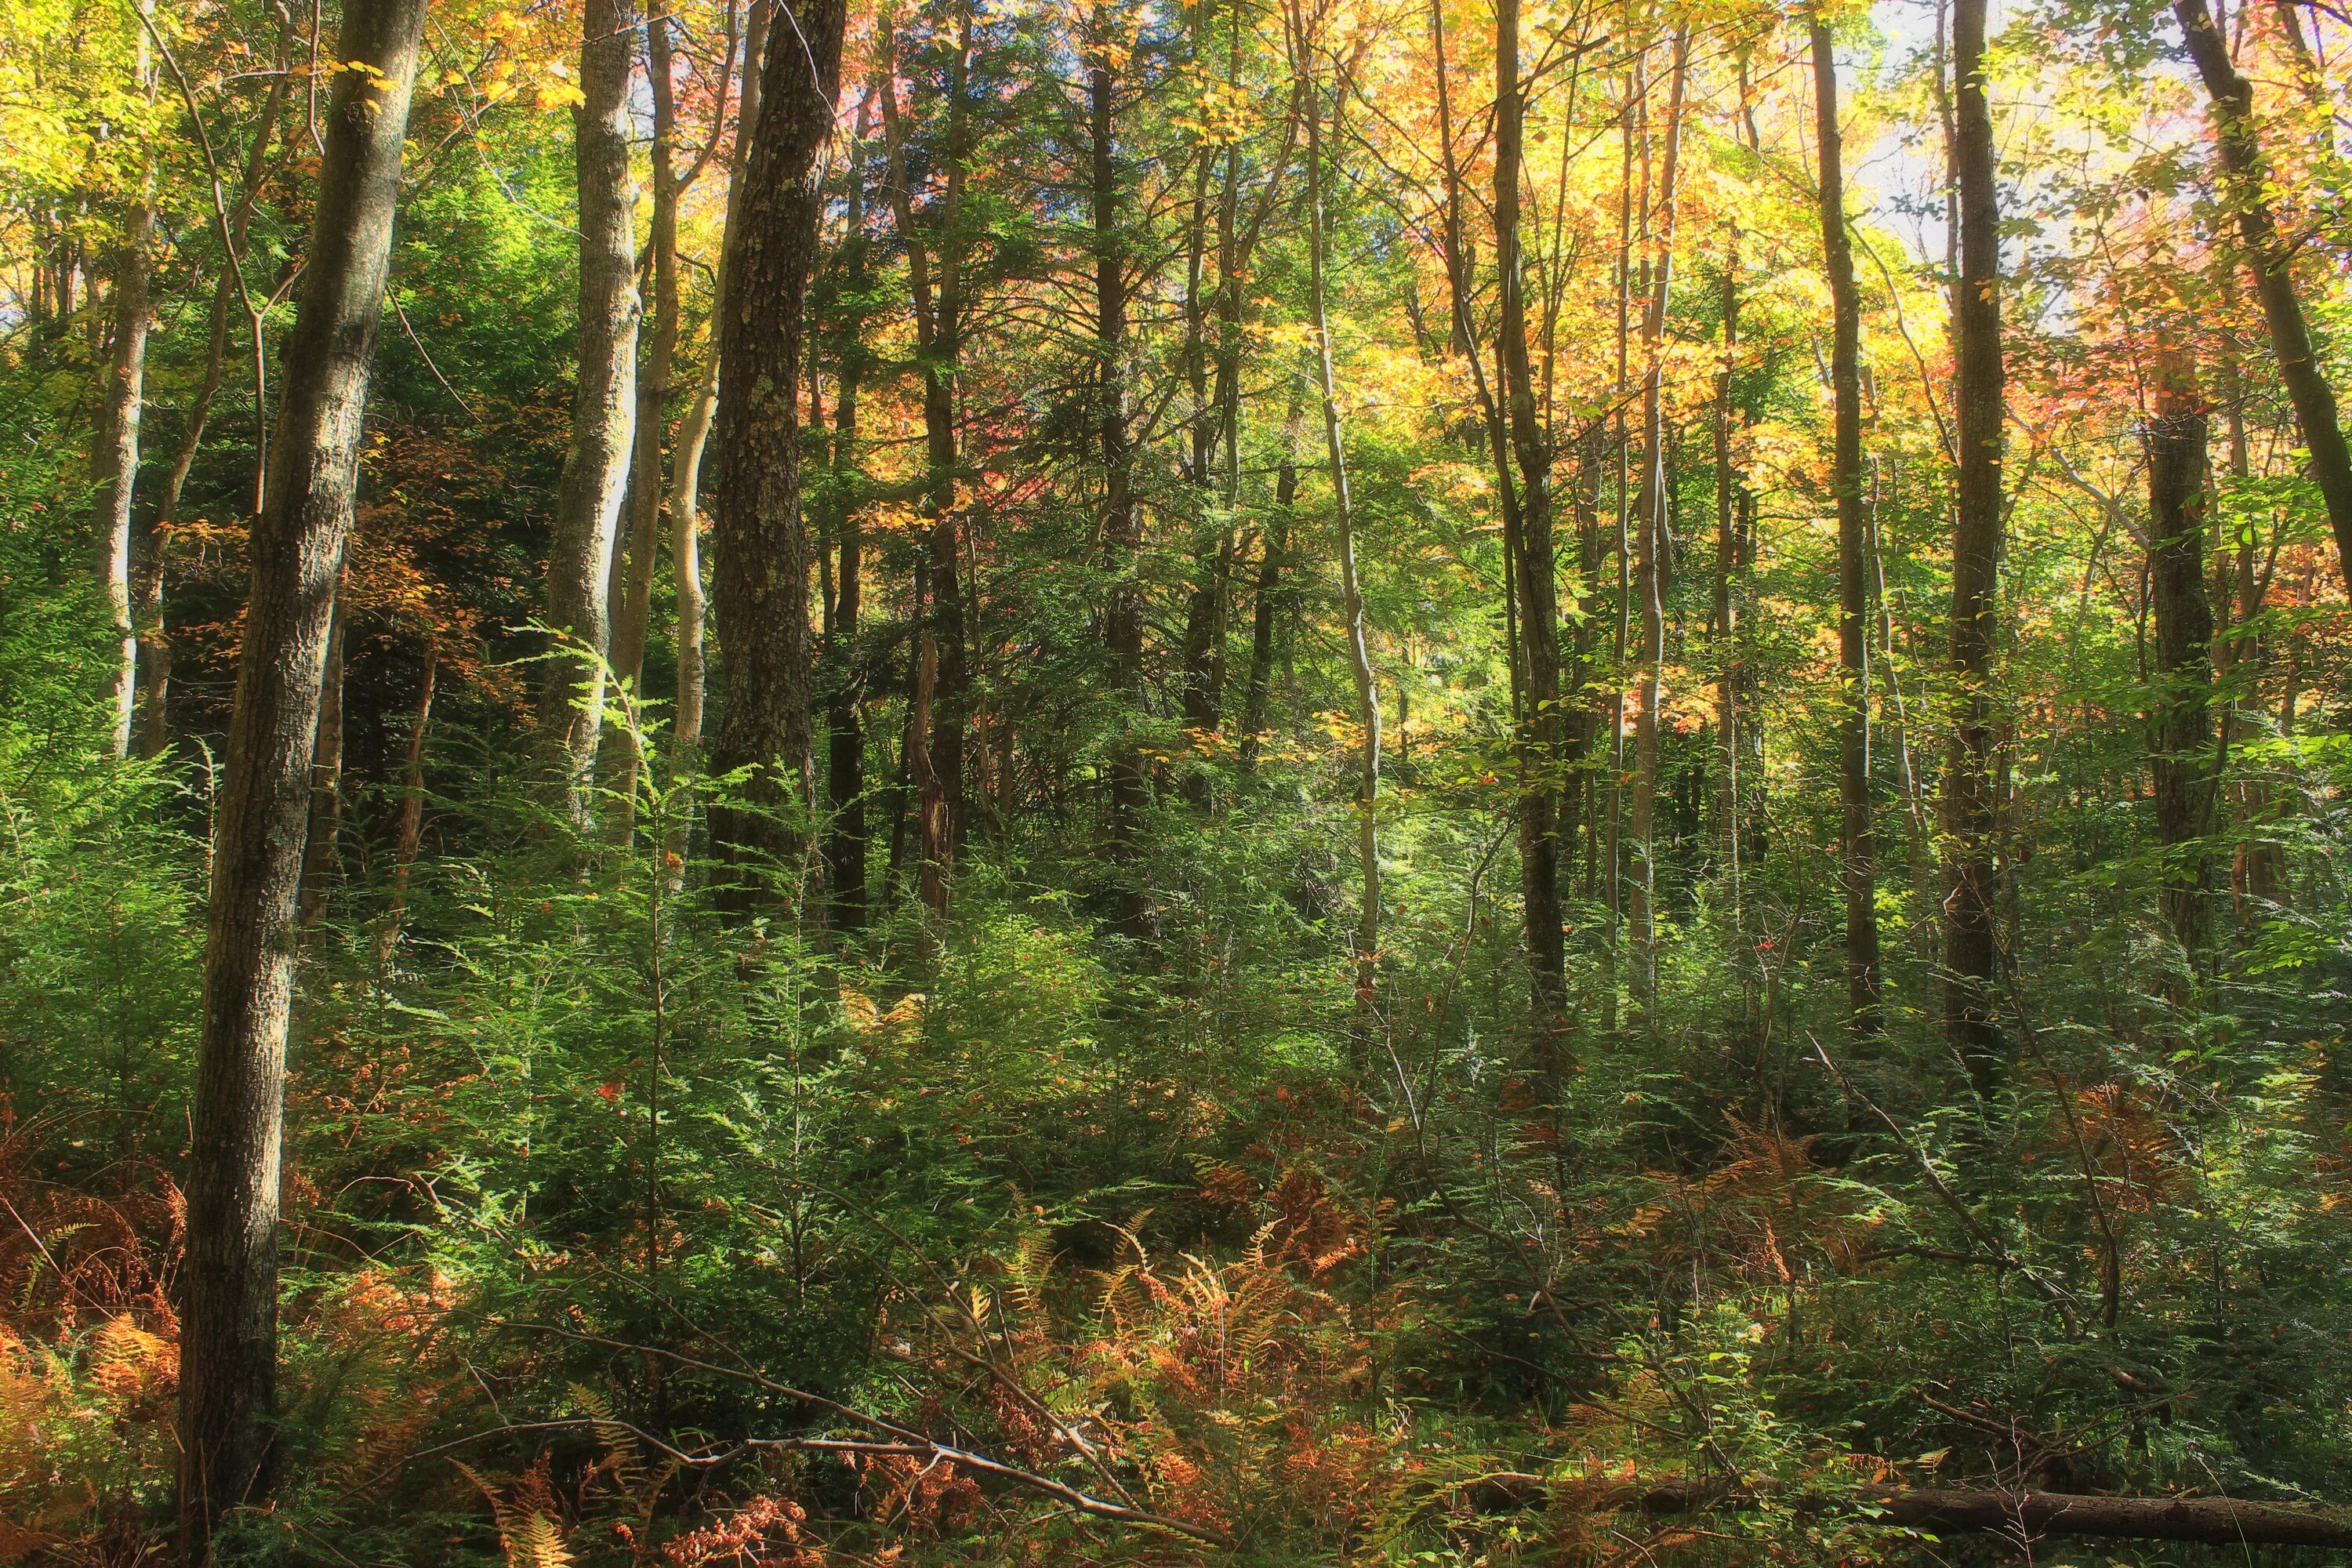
(877, 783)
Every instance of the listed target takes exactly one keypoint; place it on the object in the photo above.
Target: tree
(766, 723)
(1857, 843)
(228, 1393)
(1980, 396)
(2182, 758)
(603, 405)
(2245, 176)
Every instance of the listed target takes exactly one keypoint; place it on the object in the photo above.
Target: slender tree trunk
(2245, 176)
(2183, 756)
(1727, 597)
(147, 596)
(1650, 564)
(931, 795)
(1270, 597)
(634, 612)
(603, 406)
(761, 592)
(1351, 597)
(1970, 794)
(1534, 575)
(1857, 841)
(846, 851)
(935, 281)
(411, 832)
(1122, 518)
(114, 459)
(228, 1387)
(322, 856)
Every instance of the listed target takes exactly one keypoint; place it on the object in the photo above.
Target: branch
(2218, 1521)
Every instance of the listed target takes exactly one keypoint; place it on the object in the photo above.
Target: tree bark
(229, 1333)
(147, 591)
(1271, 597)
(686, 468)
(935, 264)
(2182, 758)
(410, 834)
(634, 613)
(1729, 584)
(322, 854)
(1651, 545)
(845, 848)
(1122, 518)
(1534, 574)
(1971, 805)
(762, 590)
(2245, 176)
(1351, 596)
(604, 408)
(1857, 840)
(114, 458)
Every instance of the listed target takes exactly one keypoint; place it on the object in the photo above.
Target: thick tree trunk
(686, 468)
(761, 591)
(1651, 544)
(603, 407)
(1857, 841)
(1533, 575)
(322, 855)
(229, 1389)
(2245, 175)
(2182, 758)
(1971, 806)
(1351, 596)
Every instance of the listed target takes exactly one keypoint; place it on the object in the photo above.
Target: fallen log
(2213, 1521)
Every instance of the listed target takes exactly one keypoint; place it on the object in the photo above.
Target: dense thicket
(1485, 783)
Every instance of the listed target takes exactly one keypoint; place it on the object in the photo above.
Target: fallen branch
(901, 1441)
(2218, 1521)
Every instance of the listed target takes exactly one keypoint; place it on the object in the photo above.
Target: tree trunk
(938, 333)
(229, 1389)
(1857, 842)
(1534, 576)
(603, 407)
(1351, 597)
(147, 596)
(634, 612)
(761, 591)
(321, 856)
(1651, 544)
(1271, 596)
(1728, 600)
(411, 832)
(2245, 175)
(686, 468)
(1122, 518)
(1970, 797)
(2182, 758)
(845, 683)
(114, 459)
